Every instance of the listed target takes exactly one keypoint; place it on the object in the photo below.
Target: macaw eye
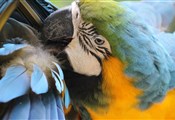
(99, 41)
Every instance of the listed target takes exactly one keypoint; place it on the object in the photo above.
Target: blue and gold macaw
(115, 66)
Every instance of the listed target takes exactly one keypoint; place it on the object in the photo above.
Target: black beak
(58, 28)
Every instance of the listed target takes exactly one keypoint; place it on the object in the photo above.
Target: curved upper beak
(58, 27)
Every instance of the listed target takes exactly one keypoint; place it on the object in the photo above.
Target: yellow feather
(123, 102)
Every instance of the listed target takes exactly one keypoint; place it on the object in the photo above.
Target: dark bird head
(84, 47)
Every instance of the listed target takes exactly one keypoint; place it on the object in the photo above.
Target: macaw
(115, 66)
(31, 80)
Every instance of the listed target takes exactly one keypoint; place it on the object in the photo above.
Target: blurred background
(61, 3)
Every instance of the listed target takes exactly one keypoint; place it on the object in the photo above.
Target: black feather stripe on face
(85, 89)
(87, 33)
(82, 88)
(63, 58)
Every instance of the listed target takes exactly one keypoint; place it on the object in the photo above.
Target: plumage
(59, 107)
(39, 82)
(59, 70)
(10, 48)
(124, 101)
(152, 76)
(38, 111)
(27, 81)
(168, 44)
(58, 82)
(115, 65)
(21, 110)
(15, 83)
(67, 98)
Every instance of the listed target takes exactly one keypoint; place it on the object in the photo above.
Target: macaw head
(85, 47)
(83, 53)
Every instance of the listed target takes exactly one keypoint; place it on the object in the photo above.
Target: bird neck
(117, 86)
(115, 82)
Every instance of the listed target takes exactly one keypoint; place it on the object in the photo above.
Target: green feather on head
(108, 17)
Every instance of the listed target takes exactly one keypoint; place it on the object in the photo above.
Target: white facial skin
(86, 45)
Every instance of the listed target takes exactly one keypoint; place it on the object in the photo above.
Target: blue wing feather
(15, 83)
(39, 83)
(46, 102)
(53, 105)
(6, 116)
(10, 48)
(37, 110)
(60, 112)
(66, 98)
(59, 70)
(42, 104)
(21, 109)
(58, 82)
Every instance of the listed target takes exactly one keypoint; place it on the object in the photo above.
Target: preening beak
(58, 28)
